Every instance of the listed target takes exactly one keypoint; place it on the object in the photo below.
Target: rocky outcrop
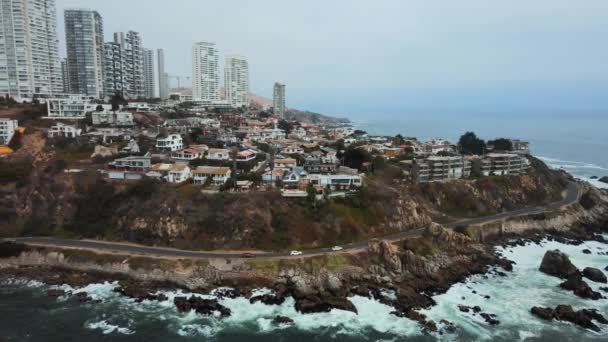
(557, 264)
(55, 293)
(201, 306)
(595, 275)
(604, 179)
(314, 304)
(385, 253)
(280, 320)
(139, 291)
(104, 152)
(583, 318)
(576, 284)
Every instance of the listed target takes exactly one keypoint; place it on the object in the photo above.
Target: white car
(295, 253)
(337, 248)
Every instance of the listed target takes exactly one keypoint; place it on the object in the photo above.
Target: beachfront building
(504, 164)
(279, 100)
(236, 81)
(29, 52)
(438, 168)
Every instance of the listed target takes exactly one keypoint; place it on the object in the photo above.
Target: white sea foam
(197, 330)
(107, 328)
(512, 297)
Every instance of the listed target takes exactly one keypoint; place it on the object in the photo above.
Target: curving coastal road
(572, 196)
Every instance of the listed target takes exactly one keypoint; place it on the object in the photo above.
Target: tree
(234, 152)
(501, 144)
(398, 140)
(286, 126)
(99, 108)
(117, 100)
(355, 157)
(469, 143)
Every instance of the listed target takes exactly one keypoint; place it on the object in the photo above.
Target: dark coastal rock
(593, 177)
(475, 309)
(55, 293)
(506, 264)
(447, 327)
(227, 293)
(84, 298)
(282, 320)
(595, 275)
(268, 299)
(201, 306)
(605, 289)
(139, 292)
(490, 318)
(557, 264)
(360, 290)
(604, 179)
(583, 318)
(576, 284)
(586, 251)
(316, 304)
(427, 325)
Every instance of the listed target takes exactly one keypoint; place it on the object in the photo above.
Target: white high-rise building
(29, 53)
(131, 45)
(236, 81)
(163, 77)
(148, 73)
(85, 50)
(279, 100)
(205, 72)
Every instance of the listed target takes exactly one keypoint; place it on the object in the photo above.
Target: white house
(178, 173)
(218, 175)
(336, 182)
(173, 142)
(245, 156)
(188, 154)
(7, 130)
(139, 107)
(218, 154)
(63, 130)
(292, 149)
(72, 107)
(112, 118)
(286, 164)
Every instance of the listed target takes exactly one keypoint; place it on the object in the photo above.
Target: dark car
(247, 255)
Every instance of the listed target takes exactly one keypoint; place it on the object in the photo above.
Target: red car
(247, 255)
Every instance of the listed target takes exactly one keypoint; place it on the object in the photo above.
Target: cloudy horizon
(353, 58)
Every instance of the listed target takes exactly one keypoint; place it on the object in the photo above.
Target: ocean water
(29, 315)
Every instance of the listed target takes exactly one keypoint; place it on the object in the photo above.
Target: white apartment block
(279, 100)
(438, 168)
(73, 107)
(130, 44)
(236, 81)
(63, 130)
(29, 53)
(148, 67)
(504, 164)
(205, 72)
(7, 130)
(173, 142)
(85, 51)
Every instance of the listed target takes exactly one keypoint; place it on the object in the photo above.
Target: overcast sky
(355, 57)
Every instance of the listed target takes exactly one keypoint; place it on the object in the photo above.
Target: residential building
(64, 76)
(85, 52)
(218, 154)
(336, 182)
(205, 72)
(148, 68)
(133, 163)
(112, 118)
(520, 146)
(72, 107)
(245, 156)
(7, 130)
(187, 154)
(504, 164)
(172, 142)
(131, 148)
(286, 163)
(131, 70)
(217, 175)
(236, 81)
(29, 53)
(63, 130)
(438, 168)
(114, 69)
(178, 173)
(279, 100)
(163, 77)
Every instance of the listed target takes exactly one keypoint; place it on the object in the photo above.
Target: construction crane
(179, 79)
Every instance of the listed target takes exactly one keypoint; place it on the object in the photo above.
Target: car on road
(247, 255)
(337, 248)
(295, 253)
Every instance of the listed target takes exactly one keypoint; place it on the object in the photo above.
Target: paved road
(572, 195)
